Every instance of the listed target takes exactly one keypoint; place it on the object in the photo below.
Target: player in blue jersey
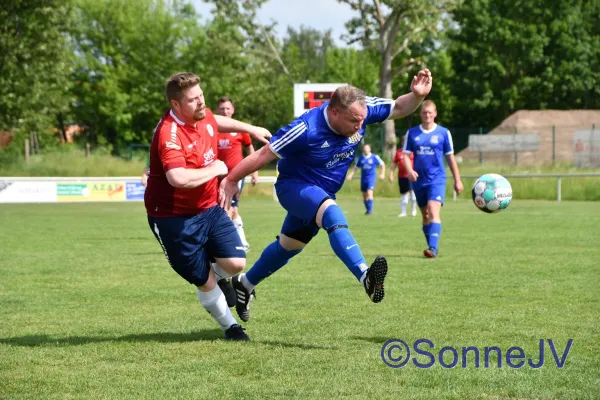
(368, 163)
(315, 152)
(430, 143)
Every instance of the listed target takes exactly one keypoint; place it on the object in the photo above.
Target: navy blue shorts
(301, 201)
(236, 199)
(191, 243)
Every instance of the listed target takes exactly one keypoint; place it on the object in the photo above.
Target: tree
(35, 63)
(393, 28)
(126, 51)
(535, 56)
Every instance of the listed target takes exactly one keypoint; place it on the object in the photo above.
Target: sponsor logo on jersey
(339, 157)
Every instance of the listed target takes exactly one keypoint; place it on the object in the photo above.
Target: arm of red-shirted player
(250, 150)
(227, 124)
(189, 178)
(250, 164)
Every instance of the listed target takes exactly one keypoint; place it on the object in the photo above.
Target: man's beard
(200, 114)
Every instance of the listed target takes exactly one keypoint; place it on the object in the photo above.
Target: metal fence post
(553, 145)
(516, 156)
(559, 189)
(480, 153)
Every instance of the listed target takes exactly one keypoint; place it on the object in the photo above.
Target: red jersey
(230, 148)
(399, 160)
(179, 145)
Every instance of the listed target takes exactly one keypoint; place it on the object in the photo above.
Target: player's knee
(232, 266)
(334, 218)
(285, 253)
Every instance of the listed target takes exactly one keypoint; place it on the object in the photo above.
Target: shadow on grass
(373, 339)
(160, 337)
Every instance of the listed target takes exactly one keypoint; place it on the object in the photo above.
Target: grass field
(91, 309)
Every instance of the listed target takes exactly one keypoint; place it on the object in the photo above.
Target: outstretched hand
(261, 134)
(227, 189)
(421, 83)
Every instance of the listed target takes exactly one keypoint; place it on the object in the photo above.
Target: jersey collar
(180, 122)
(327, 120)
(428, 131)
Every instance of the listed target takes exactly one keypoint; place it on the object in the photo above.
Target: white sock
(239, 226)
(214, 302)
(403, 203)
(413, 200)
(249, 286)
(220, 273)
(364, 269)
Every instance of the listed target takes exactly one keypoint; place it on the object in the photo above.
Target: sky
(317, 14)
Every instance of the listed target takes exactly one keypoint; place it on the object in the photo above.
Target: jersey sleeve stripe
(405, 142)
(451, 144)
(292, 135)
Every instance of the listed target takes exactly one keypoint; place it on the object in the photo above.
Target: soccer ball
(492, 193)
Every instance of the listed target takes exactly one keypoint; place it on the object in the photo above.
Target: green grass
(91, 309)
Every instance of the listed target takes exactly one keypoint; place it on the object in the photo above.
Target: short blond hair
(427, 103)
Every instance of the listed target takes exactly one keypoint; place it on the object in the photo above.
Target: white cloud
(317, 14)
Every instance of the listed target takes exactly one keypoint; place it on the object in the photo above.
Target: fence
(573, 144)
(558, 177)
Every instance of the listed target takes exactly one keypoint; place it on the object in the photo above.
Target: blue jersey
(311, 152)
(368, 166)
(429, 148)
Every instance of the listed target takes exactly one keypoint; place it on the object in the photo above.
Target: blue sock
(426, 229)
(366, 202)
(435, 231)
(271, 260)
(370, 206)
(342, 242)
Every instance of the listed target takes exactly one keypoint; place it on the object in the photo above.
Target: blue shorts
(433, 192)
(191, 243)
(367, 185)
(236, 199)
(301, 201)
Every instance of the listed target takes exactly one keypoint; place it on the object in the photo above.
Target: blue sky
(317, 14)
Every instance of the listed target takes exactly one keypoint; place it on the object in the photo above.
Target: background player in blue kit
(315, 151)
(429, 143)
(368, 163)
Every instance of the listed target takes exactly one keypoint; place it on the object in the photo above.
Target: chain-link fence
(577, 145)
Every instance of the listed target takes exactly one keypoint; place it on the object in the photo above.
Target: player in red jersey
(405, 185)
(231, 153)
(181, 196)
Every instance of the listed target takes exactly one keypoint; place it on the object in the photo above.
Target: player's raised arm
(419, 89)
(227, 124)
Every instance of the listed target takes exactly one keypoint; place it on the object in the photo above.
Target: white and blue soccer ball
(492, 193)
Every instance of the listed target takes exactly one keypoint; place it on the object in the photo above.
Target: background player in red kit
(181, 196)
(404, 184)
(231, 153)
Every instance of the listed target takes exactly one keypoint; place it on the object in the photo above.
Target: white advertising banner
(27, 192)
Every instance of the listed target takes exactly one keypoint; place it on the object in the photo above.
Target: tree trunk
(385, 91)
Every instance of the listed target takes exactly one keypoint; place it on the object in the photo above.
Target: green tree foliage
(530, 54)
(394, 29)
(126, 51)
(35, 64)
